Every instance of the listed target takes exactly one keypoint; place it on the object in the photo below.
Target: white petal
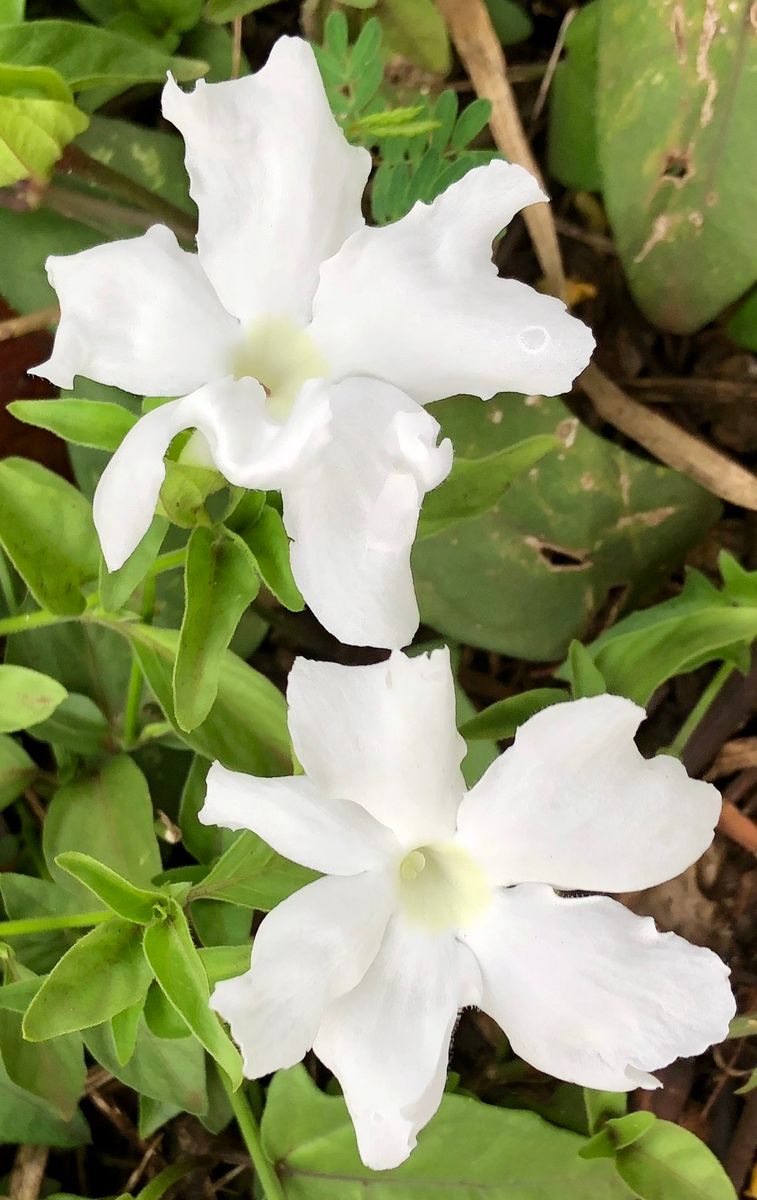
(291, 815)
(387, 1041)
(418, 303)
(574, 804)
(138, 314)
(311, 949)
(277, 186)
(247, 447)
(353, 514)
(383, 736)
(593, 994)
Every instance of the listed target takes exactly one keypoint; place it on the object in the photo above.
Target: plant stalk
(248, 1127)
(700, 710)
(45, 924)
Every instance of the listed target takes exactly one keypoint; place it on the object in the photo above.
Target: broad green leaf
(124, 1028)
(88, 57)
(583, 675)
(175, 963)
(153, 158)
(501, 719)
(26, 896)
(204, 842)
(618, 1134)
(527, 577)
(78, 725)
(468, 1150)
(94, 423)
(47, 532)
(224, 962)
(572, 144)
(511, 22)
(475, 485)
(700, 625)
(267, 539)
(603, 1106)
(27, 1120)
(668, 1162)
(218, 923)
(246, 728)
(33, 134)
(107, 815)
(127, 901)
(675, 102)
(219, 12)
(17, 771)
(28, 238)
(252, 874)
(102, 974)
(117, 586)
(52, 1071)
(742, 324)
(26, 697)
(416, 30)
(170, 1072)
(220, 581)
(162, 1018)
(12, 11)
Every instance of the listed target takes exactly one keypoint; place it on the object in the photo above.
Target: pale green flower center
(442, 887)
(281, 356)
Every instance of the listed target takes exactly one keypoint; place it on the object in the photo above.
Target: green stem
(167, 562)
(34, 620)
(76, 162)
(45, 924)
(101, 215)
(136, 677)
(248, 1127)
(700, 709)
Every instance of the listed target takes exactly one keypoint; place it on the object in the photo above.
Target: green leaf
(26, 697)
(116, 587)
(219, 12)
(169, 1072)
(469, 124)
(416, 30)
(743, 1026)
(224, 962)
(124, 1027)
(582, 674)
(741, 326)
(27, 1120)
(502, 719)
(269, 544)
(150, 157)
(603, 1106)
(204, 842)
(27, 896)
(475, 485)
(130, 902)
(174, 960)
(78, 725)
(677, 90)
(252, 874)
(47, 532)
(33, 133)
(667, 1162)
(588, 526)
(53, 1072)
(469, 1149)
(17, 771)
(94, 423)
(220, 581)
(617, 1134)
(12, 11)
(108, 816)
(572, 145)
(102, 974)
(88, 57)
(511, 22)
(246, 728)
(161, 1017)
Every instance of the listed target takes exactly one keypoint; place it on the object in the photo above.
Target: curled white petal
(590, 993)
(387, 1041)
(138, 314)
(246, 445)
(312, 948)
(277, 186)
(418, 303)
(573, 803)
(291, 815)
(383, 736)
(353, 513)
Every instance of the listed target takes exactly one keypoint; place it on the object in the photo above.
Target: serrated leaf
(94, 423)
(26, 697)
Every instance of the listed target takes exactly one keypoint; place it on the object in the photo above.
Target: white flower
(434, 899)
(304, 343)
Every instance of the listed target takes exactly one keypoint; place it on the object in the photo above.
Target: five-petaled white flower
(301, 342)
(434, 899)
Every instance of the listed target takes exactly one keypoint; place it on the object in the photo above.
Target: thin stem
(236, 47)
(698, 712)
(76, 162)
(45, 924)
(167, 562)
(248, 1127)
(136, 678)
(31, 322)
(102, 214)
(35, 620)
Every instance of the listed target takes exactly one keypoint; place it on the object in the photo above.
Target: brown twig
(236, 47)
(554, 59)
(28, 1172)
(18, 326)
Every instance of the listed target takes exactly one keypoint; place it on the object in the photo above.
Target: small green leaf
(26, 697)
(583, 675)
(224, 962)
(502, 719)
(177, 967)
(475, 485)
(252, 874)
(204, 842)
(416, 30)
(116, 587)
(78, 725)
(162, 1018)
(668, 1162)
(17, 771)
(743, 1026)
(470, 123)
(618, 1133)
(125, 1026)
(130, 902)
(95, 423)
(741, 326)
(47, 532)
(267, 539)
(33, 133)
(220, 581)
(103, 973)
(603, 1106)
(219, 12)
